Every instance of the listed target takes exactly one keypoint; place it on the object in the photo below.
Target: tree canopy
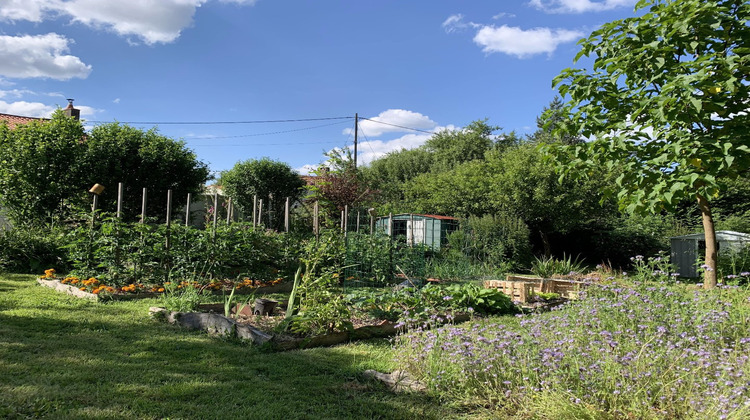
(48, 167)
(267, 179)
(667, 102)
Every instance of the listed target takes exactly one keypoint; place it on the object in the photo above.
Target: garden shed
(419, 229)
(688, 250)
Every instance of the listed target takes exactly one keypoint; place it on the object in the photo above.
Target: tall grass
(622, 352)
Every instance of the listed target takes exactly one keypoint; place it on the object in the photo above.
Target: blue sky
(423, 64)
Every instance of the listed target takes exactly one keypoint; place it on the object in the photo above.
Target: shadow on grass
(66, 358)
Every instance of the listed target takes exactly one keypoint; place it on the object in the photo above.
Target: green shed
(424, 229)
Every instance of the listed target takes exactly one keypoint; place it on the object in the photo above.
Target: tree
(388, 174)
(140, 159)
(270, 180)
(47, 167)
(667, 100)
(39, 168)
(452, 147)
(526, 185)
(339, 184)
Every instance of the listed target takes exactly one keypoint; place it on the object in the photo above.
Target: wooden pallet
(521, 289)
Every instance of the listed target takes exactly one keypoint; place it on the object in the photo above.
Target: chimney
(72, 112)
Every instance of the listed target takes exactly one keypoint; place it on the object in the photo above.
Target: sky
(246, 79)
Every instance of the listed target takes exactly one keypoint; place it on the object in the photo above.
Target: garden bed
(261, 332)
(77, 292)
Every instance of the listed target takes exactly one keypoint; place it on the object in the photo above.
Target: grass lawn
(63, 357)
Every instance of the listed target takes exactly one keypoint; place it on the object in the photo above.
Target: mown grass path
(62, 357)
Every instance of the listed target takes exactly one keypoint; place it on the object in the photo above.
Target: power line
(264, 134)
(222, 122)
(396, 125)
(263, 144)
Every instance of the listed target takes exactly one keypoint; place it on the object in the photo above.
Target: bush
(31, 250)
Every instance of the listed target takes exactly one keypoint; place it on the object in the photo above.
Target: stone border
(219, 325)
(75, 291)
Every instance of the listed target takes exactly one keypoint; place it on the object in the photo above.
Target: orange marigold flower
(160, 290)
(81, 288)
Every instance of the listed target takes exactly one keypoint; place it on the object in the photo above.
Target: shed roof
(431, 216)
(721, 235)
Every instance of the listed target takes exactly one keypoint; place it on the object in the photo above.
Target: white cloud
(30, 10)
(15, 93)
(402, 117)
(38, 109)
(39, 56)
(116, 101)
(523, 43)
(579, 6)
(306, 169)
(455, 23)
(26, 109)
(150, 21)
(503, 15)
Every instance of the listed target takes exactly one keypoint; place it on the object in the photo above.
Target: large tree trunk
(545, 244)
(709, 276)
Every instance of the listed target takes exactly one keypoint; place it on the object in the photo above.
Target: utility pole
(356, 121)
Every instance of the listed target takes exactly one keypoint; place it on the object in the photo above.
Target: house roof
(721, 235)
(15, 120)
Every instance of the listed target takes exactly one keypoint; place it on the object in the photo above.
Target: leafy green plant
(546, 267)
(184, 299)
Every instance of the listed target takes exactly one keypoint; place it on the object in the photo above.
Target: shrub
(31, 250)
(546, 267)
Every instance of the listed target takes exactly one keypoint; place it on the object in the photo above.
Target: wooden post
(169, 207)
(143, 206)
(342, 221)
(316, 227)
(390, 225)
(286, 216)
(411, 228)
(346, 219)
(187, 211)
(229, 210)
(260, 211)
(255, 208)
(169, 216)
(216, 210)
(357, 221)
(119, 200)
(372, 224)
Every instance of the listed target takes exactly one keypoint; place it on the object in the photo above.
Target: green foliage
(47, 167)
(411, 304)
(338, 184)
(734, 265)
(31, 250)
(388, 174)
(322, 307)
(184, 299)
(546, 267)
(453, 147)
(462, 190)
(467, 297)
(269, 180)
(40, 169)
(122, 253)
(675, 128)
(498, 239)
(655, 269)
(139, 159)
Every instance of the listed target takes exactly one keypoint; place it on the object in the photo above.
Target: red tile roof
(15, 120)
